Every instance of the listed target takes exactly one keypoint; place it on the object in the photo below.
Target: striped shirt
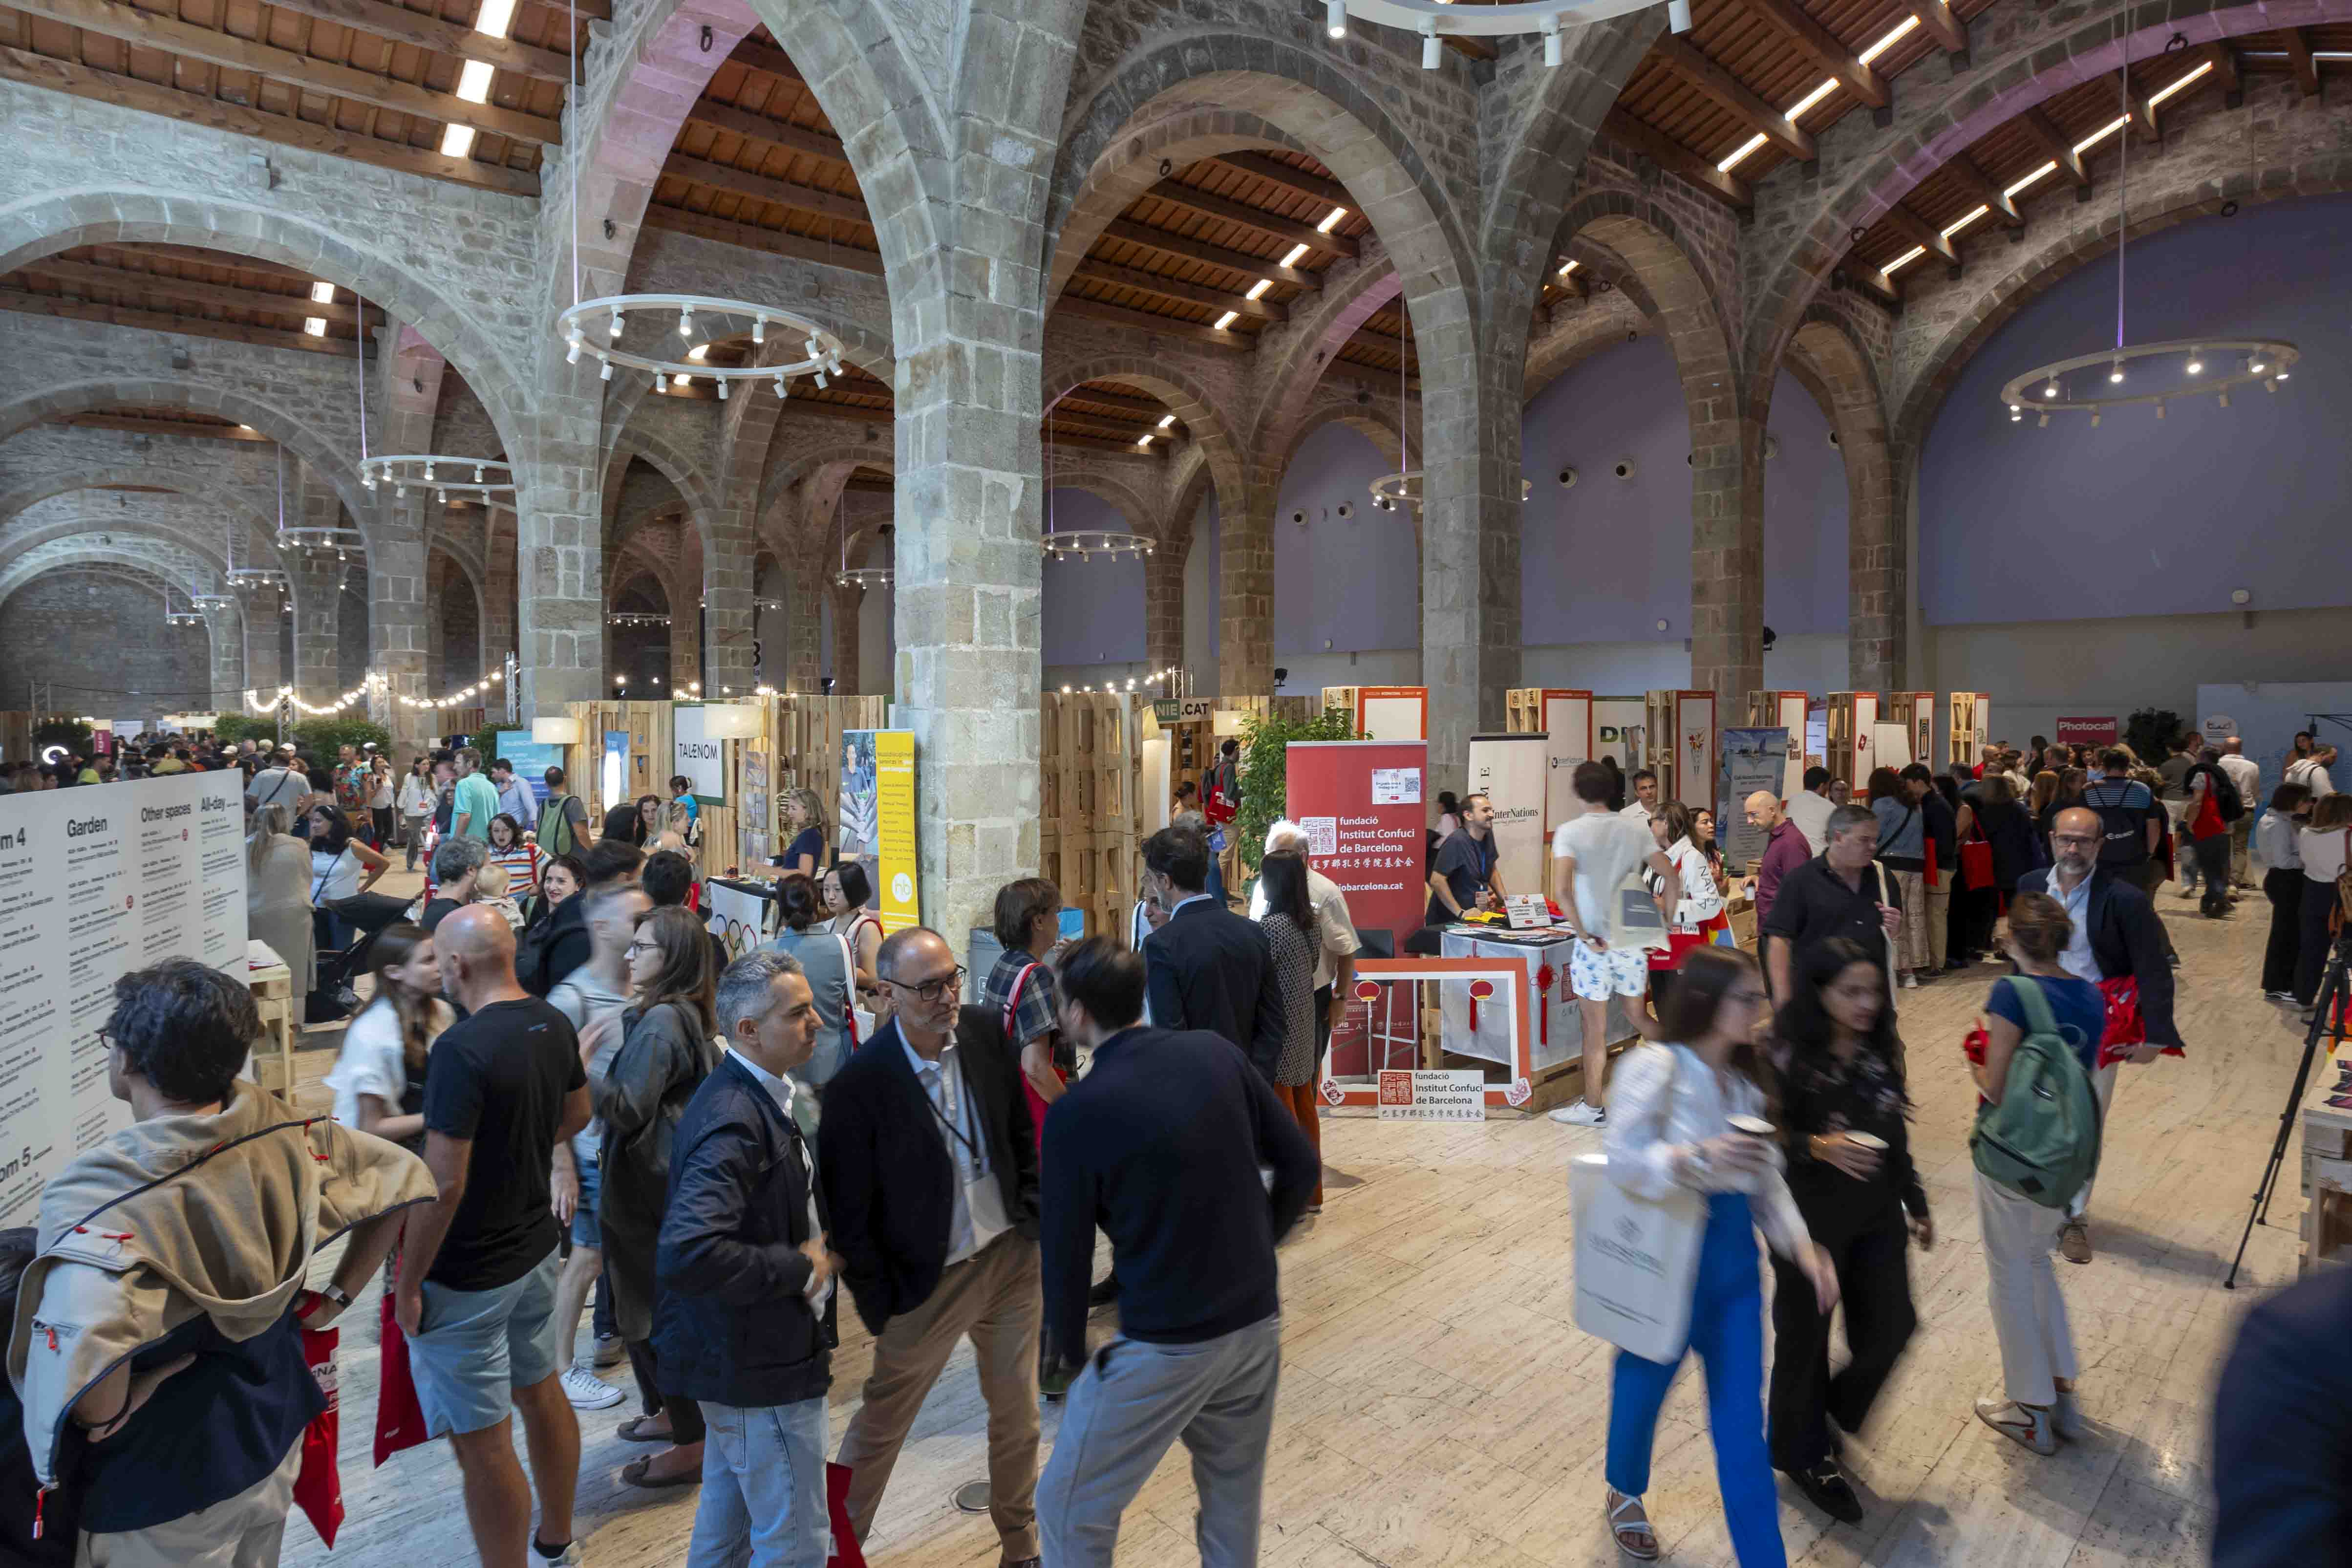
(521, 863)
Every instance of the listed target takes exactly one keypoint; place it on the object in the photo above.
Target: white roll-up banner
(1510, 770)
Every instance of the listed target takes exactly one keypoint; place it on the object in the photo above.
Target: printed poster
(2090, 732)
(878, 819)
(1567, 743)
(95, 883)
(1453, 1094)
(1694, 748)
(1510, 770)
(1617, 726)
(1396, 786)
(530, 762)
(1374, 850)
(702, 762)
(1751, 761)
(751, 809)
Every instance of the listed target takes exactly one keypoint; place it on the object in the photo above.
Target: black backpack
(2226, 797)
(2122, 829)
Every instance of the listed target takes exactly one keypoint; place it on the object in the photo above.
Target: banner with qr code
(1367, 828)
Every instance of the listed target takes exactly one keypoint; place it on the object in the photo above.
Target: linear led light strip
(474, 78)
(320, 294)
(1901, 30)
(1257, 289)
(2084, 145)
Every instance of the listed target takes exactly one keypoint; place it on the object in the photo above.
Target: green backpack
(555, 834)
(2042, 1140)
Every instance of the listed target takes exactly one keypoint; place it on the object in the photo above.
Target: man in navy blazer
(929, 1160)
(2117, 935)
(1207, 967)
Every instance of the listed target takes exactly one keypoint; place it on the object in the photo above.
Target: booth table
(1556, 1052)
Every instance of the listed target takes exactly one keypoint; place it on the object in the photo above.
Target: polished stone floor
(1438, 1406)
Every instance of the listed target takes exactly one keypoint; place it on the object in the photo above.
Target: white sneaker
(2066, 1417)
(1580, 1115)
(1910, 982)
(586, 1390)
(2021, 1423)
(570, 1555)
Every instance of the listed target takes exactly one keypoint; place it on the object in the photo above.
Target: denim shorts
(584, 1232)
(474, 1348)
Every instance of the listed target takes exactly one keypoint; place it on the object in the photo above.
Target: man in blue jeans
(745, 1322)
(477, 1290)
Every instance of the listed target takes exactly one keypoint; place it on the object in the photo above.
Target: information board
(700, 761)
(96, 882)
(1364, 809)
(878, 819)
(1509, 769)
(1751, 762)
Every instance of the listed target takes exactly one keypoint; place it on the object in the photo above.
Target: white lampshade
(1226, 721)
(559, 730)
(731, 721)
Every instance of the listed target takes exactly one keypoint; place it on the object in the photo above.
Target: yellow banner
(878, 819)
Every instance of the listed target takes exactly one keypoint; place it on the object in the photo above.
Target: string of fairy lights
(370, 685)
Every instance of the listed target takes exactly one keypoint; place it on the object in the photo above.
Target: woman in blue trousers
(1670, 1106)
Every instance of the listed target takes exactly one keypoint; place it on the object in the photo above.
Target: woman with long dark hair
(649, 819)
(562, 878)
(518, 855)
(1670, 1106)
(342, 870)
(379, 1076)
(1701, 905)
(1290, 929)
(665, 1053)
(1844, 1125)
(2282, 859)
(625, 824)
(847, 892)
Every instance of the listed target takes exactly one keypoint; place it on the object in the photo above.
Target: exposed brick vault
(992, 142)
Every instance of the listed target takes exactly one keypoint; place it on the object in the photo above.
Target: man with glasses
(929, 1159)
(2116, 937)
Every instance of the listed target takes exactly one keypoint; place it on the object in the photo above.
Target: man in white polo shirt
(1591, 856)
(1810, 809)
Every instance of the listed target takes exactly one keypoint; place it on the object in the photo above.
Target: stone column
(499, 586)
(1469, 542)
(1245, 589)
(1727, 551)
(848, 609)
(1878, 576)
(800, 657)
(259, 622)
(1163, 608)
(317, 613)
(225, 629)
(685, 643)
(402, 622)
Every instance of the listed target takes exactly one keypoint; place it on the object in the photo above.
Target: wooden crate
(1853, 719)
(273, 1054)
(1523, 710)
(1088, 757)
(17, 737)
(1971, 716)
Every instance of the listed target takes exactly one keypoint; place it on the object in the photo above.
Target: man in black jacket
(930, 1164)
(1160, 1144)
(746, 1317)
(2117, 936)
(1208, 968)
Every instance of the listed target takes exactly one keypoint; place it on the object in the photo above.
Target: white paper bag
(1636, 1261)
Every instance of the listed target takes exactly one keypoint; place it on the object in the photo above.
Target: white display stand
(96, 882)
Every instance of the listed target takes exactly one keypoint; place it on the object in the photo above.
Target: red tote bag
(318, 1484)
(1976, 860)
(845, 1550)
(399, 1420)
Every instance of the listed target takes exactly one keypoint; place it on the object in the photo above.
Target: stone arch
(1141, 512)
(1615, 317)
(62, 481)
(1210, 430)
(808, 462)
(47, 226)
(1836, 368)
(1282, 92)
(2091, 44)
(1726, 442)
(282, 425)
(151, 548)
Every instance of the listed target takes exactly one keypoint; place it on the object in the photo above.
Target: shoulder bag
(1976, 857)
(1636, 1260)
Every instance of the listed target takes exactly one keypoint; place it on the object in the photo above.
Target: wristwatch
(334, 1293)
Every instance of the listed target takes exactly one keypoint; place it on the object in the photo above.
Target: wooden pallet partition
(1523, 710)
(1088, 748)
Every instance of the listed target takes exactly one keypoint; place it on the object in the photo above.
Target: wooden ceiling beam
(766, 188)
(1725, 90)
(1379, 383)
(1870, 281)
(81, 275)
(772, 242)
(1166, 326)
(1986, 189)
(1155, 452)
(1951, 35)
(2143, 126)
(2057, 144)
(30, 304)
(1065, 423)
(767, 60)
(2225, 70)
(1822, 47)
(285, 130)
(759, 128)
(2298, 55)
(1190, 249)
(137, 426)
(399, 24)
(146, 29)
(1137, 404)
(1175, 289)
(1919, 231)
(1315, 187)
(1290, 230)
(141, 249)
(1678, 159)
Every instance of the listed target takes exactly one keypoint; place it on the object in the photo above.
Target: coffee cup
(1869, 1140)
(1754, 1126)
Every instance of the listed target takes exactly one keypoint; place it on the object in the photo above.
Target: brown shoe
(2074, 1242)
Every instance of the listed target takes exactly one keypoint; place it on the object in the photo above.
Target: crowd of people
(557, 1086)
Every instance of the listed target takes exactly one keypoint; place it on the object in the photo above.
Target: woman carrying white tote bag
(1666, 1247)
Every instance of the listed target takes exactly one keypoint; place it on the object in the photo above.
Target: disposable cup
(1754, 1126)
(1869, 1140)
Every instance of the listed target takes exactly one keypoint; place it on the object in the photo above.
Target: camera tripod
(2332, 999)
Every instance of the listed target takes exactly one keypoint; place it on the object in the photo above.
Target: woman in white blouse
(2324, 845)
(1669, 1126)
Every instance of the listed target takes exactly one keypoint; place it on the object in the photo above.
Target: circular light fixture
(865, 577)
(487, 478)
(1085, 543)
(703, 322)
(1392, 490)
(2265, 360)
(1437, 19)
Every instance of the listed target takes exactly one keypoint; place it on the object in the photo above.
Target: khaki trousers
(244, 1531)
(1939, 899)
(2240, 832)
(995, 1298)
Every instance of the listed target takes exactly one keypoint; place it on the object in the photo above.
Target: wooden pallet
(1089, 753)
(273, 1054)
(1523, 710)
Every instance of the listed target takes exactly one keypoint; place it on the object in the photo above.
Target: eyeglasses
(2080, 840)
(638, 947)
(931, 991)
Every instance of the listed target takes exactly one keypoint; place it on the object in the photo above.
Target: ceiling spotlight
(1429, 46)
(2051, 390)
(1335, 22)
(2197, 360)
(686, 322)
(615, 328)
(2116, 376)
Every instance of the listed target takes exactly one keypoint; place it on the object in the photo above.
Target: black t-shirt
(435, 911)
(1814, 904)
(1468, 864)
(498, 1079)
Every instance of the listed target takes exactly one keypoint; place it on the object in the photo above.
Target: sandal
(636, 1429)
(638, 1472)
(1629, 1521)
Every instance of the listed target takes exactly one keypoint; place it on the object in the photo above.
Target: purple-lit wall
(1340, 584)
(1092, 610)
(2143, 517)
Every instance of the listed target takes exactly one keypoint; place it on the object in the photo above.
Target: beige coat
(217, 1213)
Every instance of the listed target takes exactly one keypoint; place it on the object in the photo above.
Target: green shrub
(1265, 740)
(320, 736)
